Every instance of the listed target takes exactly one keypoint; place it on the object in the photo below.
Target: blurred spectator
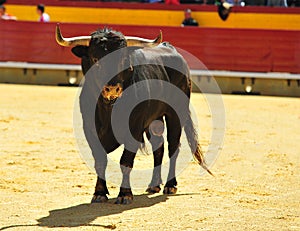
(44, 17)
(150, 1)
(293, 3)
(277, 3)
(224, 9)
(172, 2)
(255, 2)
(192, 1)
(4, 15)
(237, 2)
(188, 20)
(209, 2)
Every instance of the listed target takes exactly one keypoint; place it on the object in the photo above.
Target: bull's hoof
(170, 190)
(124, 200)
(125, 196)
(99, 199)
(153, 189)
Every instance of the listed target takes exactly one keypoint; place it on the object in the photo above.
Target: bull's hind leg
(157, 142)
(173, 137)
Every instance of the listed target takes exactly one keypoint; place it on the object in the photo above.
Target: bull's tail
(192, 137)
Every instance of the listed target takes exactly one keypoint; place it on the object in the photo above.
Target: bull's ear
(80, 51)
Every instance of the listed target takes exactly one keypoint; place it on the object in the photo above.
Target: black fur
(160, 59)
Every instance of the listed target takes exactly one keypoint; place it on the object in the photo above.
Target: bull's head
(97, 45)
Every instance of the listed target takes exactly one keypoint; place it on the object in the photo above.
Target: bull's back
(174, 67)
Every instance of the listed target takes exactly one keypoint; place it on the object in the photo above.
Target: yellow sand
(45, 183)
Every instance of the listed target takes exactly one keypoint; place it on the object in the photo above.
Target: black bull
(134, 90)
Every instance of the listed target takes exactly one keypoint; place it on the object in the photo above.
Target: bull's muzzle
(112, 92)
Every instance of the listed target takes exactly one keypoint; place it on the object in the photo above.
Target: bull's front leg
(126, 163)
(101, 191)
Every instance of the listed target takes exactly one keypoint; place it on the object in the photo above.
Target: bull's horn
(74, 41)
(85, 40)
(141, 42)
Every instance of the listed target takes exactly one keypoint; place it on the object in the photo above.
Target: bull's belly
(145, 113)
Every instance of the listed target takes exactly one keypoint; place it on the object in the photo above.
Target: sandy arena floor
(45, 185)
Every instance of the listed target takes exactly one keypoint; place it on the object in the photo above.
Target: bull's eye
(106, 89)
(95, 61)
(117, 89)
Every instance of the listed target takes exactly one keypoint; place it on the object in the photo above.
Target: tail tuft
(192, 138)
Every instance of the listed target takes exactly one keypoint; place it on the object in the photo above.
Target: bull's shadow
(83, 214)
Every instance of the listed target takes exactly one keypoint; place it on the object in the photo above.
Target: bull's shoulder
(162, 54)
(161, 62)
(165, 49)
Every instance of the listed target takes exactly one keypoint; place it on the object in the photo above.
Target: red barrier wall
(218, 49)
